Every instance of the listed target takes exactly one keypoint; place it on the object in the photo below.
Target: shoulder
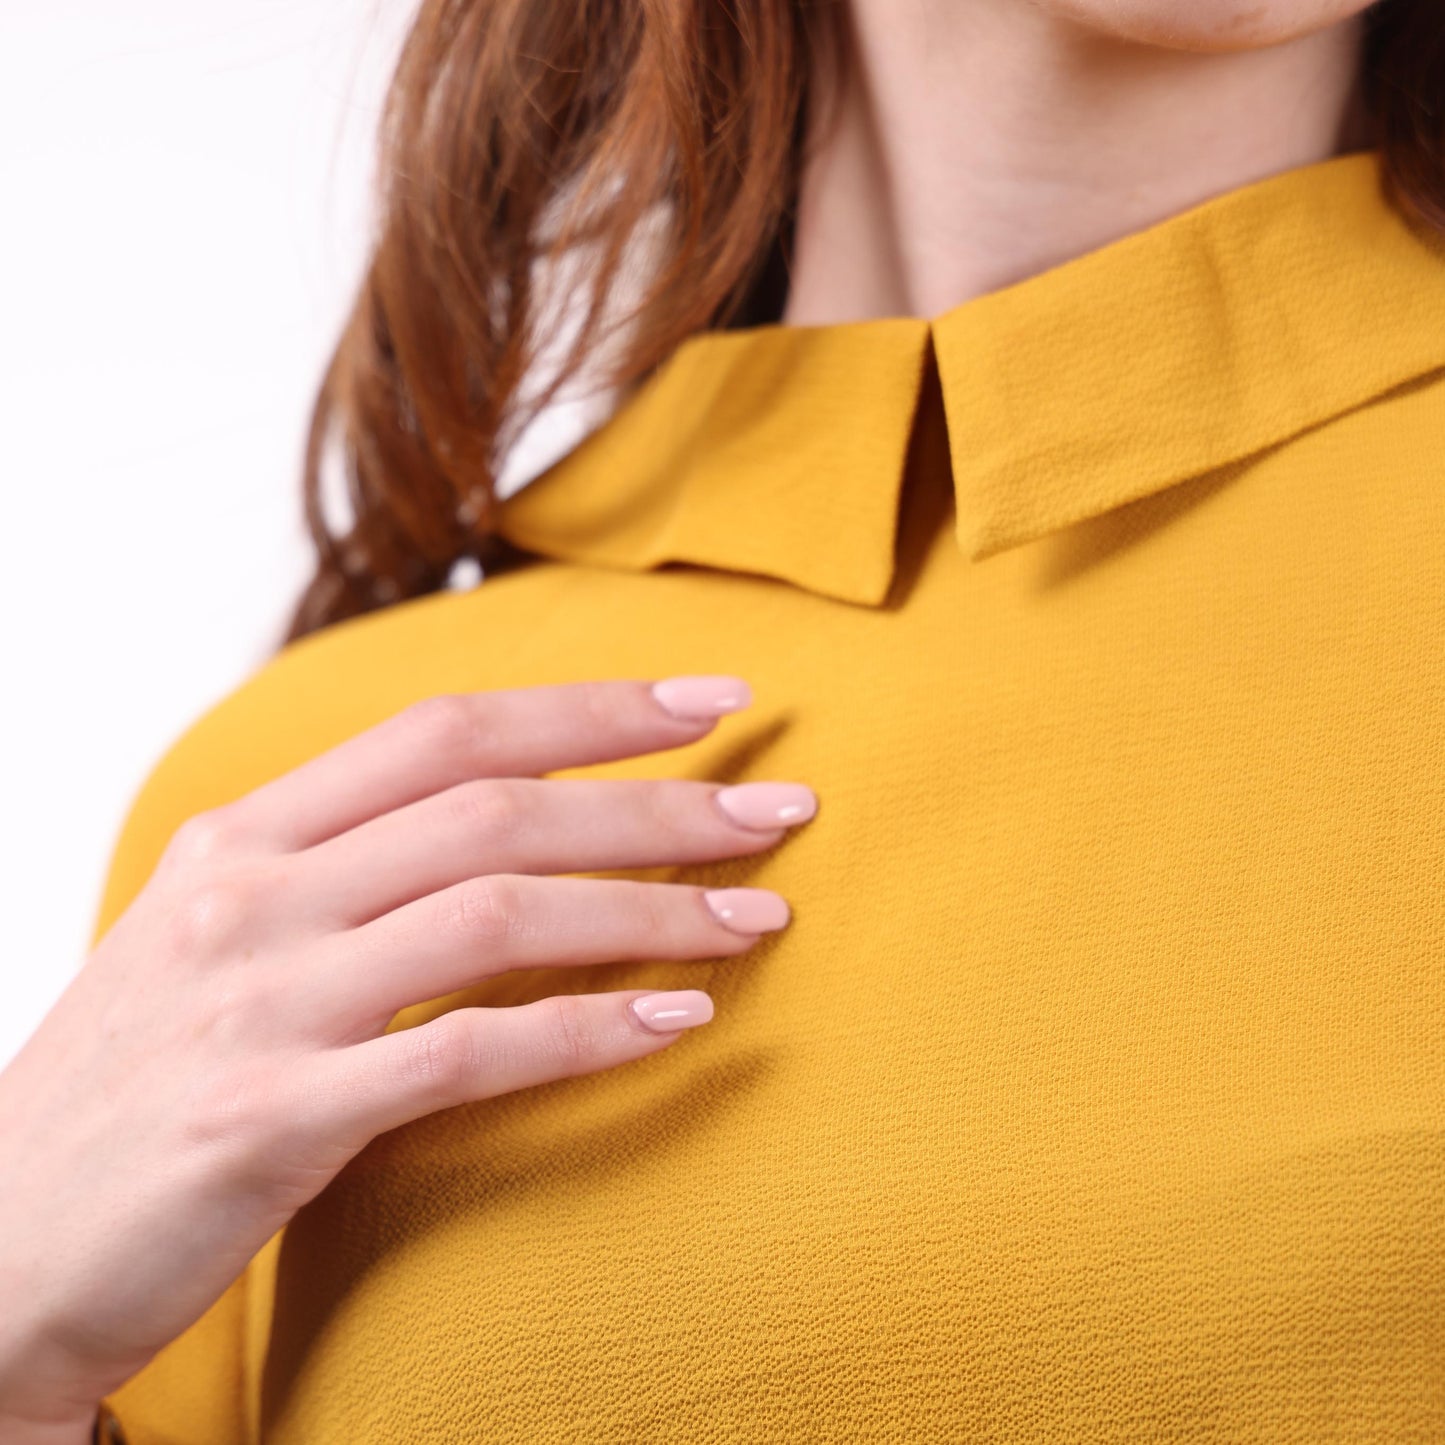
(310, 696)
(1381, 464)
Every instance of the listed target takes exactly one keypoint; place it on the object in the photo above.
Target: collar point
(981, 537)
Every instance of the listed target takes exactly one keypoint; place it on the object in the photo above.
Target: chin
(1208, 25)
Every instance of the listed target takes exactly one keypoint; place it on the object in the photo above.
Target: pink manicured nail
(768, 805)
(748, 910)
(664, 1013)
(702, 696)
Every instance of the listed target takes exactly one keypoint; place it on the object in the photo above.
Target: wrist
(34, 1432)
(43, 1398)
(32, 1414)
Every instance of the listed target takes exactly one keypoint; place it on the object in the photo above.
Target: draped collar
(1212, 335)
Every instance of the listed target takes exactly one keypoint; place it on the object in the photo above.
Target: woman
(1036, 409)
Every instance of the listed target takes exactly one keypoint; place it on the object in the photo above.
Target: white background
(184, 216)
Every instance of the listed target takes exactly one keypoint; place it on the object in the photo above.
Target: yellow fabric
(1097, 1089)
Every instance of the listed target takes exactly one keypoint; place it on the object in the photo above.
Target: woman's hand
(221, 1054)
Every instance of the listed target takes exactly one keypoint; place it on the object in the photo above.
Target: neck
(972, 145)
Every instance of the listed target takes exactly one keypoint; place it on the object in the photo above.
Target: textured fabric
(1096, 1091)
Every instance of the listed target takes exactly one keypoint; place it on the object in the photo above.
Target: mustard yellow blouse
(1097, 1090)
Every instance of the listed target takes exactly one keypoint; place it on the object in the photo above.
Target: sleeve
(198, 1390)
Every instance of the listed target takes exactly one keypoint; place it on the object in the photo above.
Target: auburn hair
(520, 135)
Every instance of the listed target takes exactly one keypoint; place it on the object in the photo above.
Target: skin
(282, 932)
(978, 142)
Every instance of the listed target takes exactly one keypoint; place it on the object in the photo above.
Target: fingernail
(665, 1013)
(748, 910)
(703, 695)
(768, 805)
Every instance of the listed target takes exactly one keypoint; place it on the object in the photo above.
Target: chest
(1096, 1091)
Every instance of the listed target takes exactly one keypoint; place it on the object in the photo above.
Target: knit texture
(1096, 1091)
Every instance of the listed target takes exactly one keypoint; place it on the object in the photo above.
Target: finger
(444, 740)
(468, 1054)
(540, 825)
(487, 926)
